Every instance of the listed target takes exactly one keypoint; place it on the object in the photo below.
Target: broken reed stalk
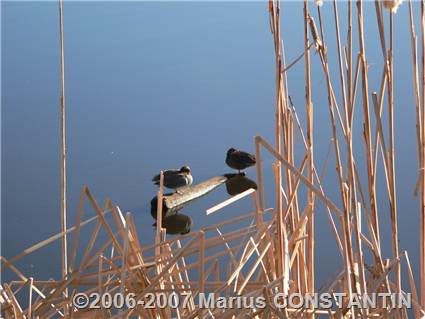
(391, 155)
(422, 168)
(64, 252)
(310, 143)
(159, 220)
(420, 134)
(278, 77)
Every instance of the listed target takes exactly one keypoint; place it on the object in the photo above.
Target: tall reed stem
(63, 183)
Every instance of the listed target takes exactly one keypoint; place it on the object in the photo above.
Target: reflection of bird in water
(175, 178)
(238, 183)
(177, 224)
(239, 159)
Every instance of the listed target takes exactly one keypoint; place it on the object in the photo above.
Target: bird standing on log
(175, 178)
(239, 159)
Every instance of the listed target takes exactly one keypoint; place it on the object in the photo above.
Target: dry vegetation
(268, 250)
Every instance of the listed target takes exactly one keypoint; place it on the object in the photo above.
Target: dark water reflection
(238, 183)
(165, 211)
(177, 224)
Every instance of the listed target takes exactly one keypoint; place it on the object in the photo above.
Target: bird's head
(231, 150)
(185, 169)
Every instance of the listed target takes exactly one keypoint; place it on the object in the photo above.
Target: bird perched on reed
(239, 159)
(175, 178)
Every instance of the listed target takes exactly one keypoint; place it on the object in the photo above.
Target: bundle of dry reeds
(269, 250)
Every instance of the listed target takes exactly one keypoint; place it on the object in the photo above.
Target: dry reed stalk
(278, 101)
(64, 253)
(274, 13)
(309, 120)
(422, 167)
(229, 201)
(231, 254)
(331, 101)
(17, 310)
(214, 241)
(295, 172)
(30, 298)
(103, 221)
(415, 81)
(345, 200)
(391, 156)
(90, 245)
(164, 271)
(331, 220)
(125, 254)
(292, 210)
(45, 242)
(378, 103)
(367, 130)
(174, 281)
(91, 261)
(24, 279)
(381, 140)
(100, 275)
(186, 277)
(260, 190)
(294, 191)
(412, 284)
(332, 104)
(76, 236)
(351, 202)
(256, 242)
(349, 54)
(159, 218)
(362, 287)
(420, 119)
(341, 72)
(270, 262)
(265, 274)
(201, 261)
(208, 228)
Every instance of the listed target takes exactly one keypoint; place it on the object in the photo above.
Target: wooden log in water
(172, 202)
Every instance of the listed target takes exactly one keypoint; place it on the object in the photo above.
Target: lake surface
(151, 86)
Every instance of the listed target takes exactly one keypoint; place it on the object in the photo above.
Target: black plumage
(175, 178)
(239, 160)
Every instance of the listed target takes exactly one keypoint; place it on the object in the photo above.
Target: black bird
(175, 178)
(239, 159)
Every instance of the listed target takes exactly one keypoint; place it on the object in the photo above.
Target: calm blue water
(159, 85)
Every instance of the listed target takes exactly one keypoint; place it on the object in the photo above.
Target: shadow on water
(238, 183)
(177, 223)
